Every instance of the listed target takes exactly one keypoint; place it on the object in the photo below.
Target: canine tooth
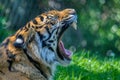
(74, 25)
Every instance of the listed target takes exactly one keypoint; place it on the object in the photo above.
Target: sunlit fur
(32, 52)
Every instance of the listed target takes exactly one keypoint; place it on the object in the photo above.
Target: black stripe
(26, 29)
(51, 41)
(40, 35)
(47, 29)
(5, 43)
(51, 49)
(35, 63)
(55, 29)
(38, 27)
(41, 39)
(10, 55)
(50, 34)
(32, 26)
(44, 44)
(35, 22)
(41, 18)
(10, 64)
(32, 38)
(28, 25)
(10, 60)
(2, 72)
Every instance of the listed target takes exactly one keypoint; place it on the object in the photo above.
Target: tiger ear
(19, 42)
(23, 38)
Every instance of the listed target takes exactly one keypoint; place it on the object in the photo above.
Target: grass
(90, 67)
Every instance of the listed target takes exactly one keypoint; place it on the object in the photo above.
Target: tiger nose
(71, 11)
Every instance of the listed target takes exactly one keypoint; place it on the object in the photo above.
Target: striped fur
(32, 53)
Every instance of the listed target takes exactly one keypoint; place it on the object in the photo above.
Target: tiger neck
(36, 54)
(39, 65)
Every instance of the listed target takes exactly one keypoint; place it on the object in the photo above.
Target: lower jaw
(62, 56)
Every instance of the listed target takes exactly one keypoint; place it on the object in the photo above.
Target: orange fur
(22, 61)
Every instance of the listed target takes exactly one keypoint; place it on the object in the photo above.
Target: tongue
(65, 51)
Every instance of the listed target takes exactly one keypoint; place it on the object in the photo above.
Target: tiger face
(50, 28)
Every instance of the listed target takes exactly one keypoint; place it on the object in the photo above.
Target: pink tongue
(67, 52)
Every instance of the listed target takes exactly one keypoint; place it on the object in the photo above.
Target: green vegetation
(99, 23)
(4, 32)
(86, 66)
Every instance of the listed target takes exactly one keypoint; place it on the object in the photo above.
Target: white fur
(48, 55)
(19, 40)
(43, 52)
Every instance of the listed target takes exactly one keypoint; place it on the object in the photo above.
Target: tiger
(34, 51)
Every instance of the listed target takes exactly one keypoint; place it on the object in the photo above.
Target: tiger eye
(50, 17)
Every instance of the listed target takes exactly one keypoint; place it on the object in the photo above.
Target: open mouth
(63, 53)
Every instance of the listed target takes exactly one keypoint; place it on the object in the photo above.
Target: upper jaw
(72, 18)
(61, 53)
(69, 22)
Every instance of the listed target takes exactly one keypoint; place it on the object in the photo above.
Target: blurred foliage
(98, 23)
(3, 31)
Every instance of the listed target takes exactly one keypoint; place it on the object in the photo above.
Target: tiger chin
(33, 52)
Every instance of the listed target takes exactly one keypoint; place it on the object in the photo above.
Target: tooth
(74, 25)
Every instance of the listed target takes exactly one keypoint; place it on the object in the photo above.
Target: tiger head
(54, 24)
(35, 47)
(49, 28)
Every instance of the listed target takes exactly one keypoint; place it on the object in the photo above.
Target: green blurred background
(98, 22)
